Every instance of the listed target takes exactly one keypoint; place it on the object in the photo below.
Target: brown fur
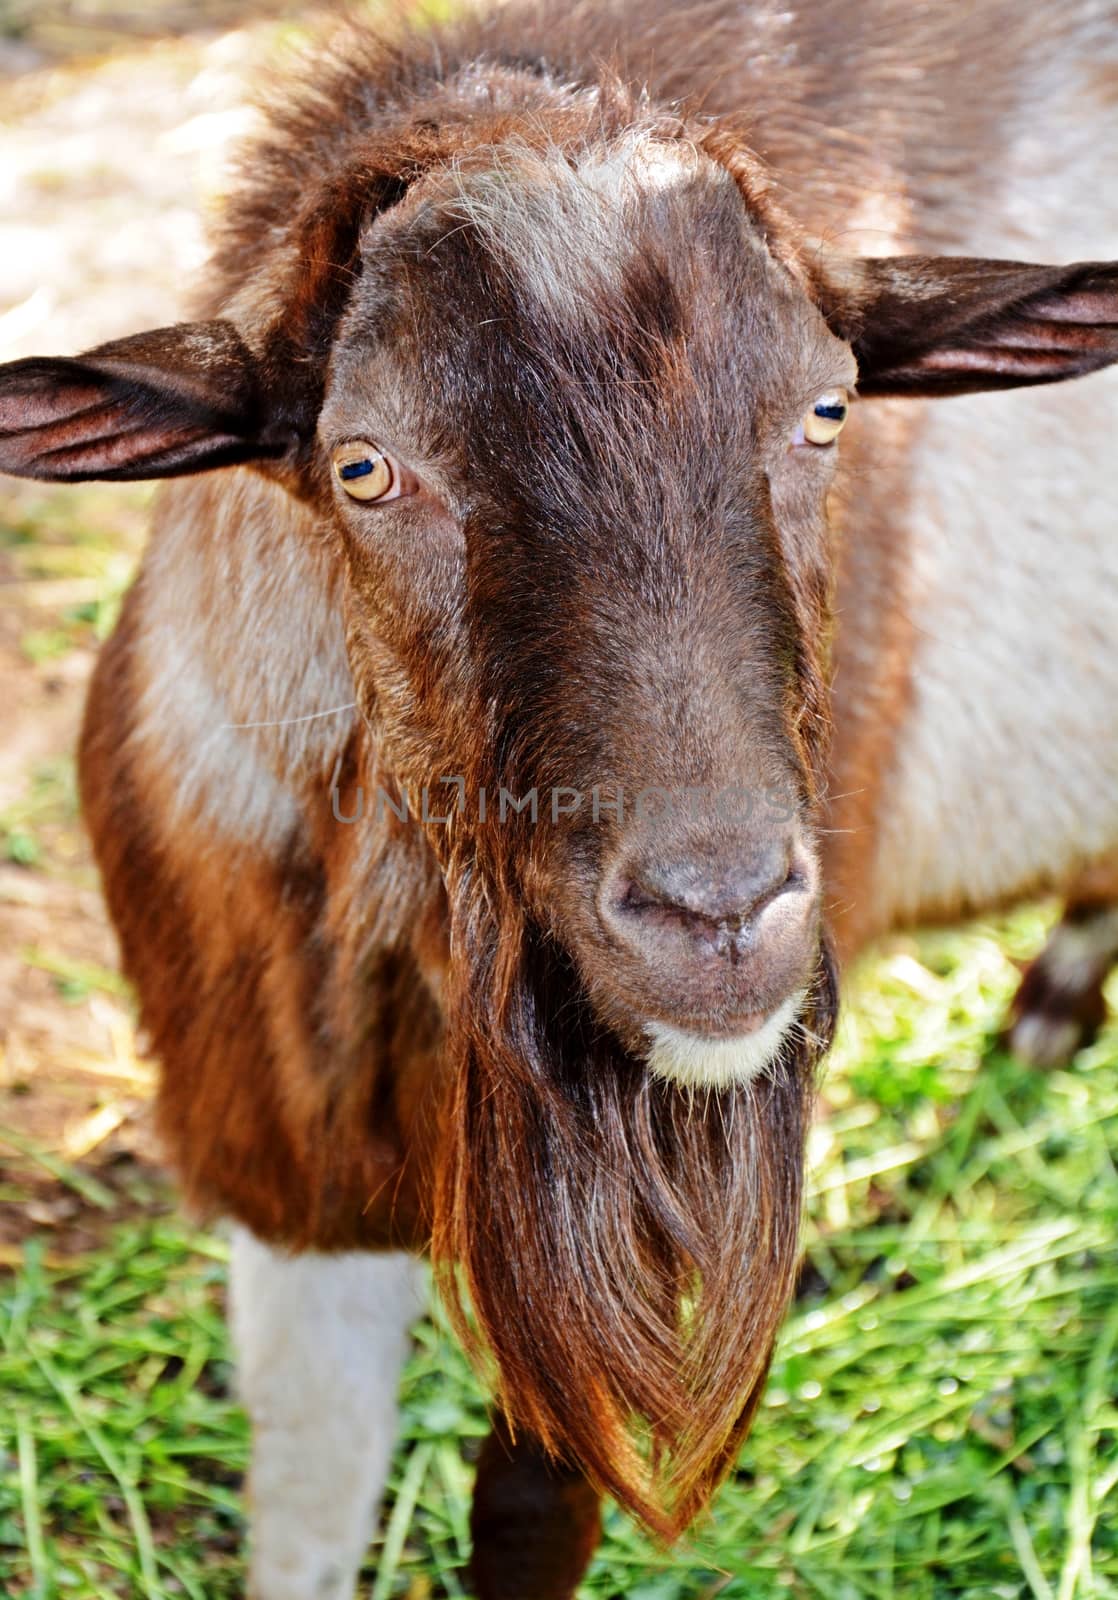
(520, 1485)
(617, 571)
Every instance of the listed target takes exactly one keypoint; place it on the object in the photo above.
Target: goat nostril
(795, 878)
(638, 897)
(720, 908)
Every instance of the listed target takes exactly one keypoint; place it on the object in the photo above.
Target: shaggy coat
(590, 278)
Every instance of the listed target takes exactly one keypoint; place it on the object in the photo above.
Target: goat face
(598, 570)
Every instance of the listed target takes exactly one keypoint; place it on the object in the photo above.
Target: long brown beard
(628, 1249)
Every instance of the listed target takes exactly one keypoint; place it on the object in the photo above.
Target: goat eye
(365, 472)
(824, 422)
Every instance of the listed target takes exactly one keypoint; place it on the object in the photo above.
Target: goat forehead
(563, 229)
(579, 286)
(580, 343)
(552, 235)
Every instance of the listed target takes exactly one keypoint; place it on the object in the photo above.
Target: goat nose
(715, 901)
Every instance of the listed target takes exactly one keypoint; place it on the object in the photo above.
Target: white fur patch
(561, 229)
(1045, 1041)
(696, 1062)
(210, 658)
(1077, 951)
(320, 1341)
(1006, 769)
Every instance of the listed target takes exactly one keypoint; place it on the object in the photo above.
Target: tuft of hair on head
(557, 219)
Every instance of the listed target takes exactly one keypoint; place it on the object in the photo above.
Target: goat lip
(720, 1061)
(716, 1030)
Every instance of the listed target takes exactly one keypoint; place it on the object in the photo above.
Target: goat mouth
(723, 1056)
(726, 1025)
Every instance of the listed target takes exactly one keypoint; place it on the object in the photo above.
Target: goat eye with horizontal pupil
(364, 472)
(824, 422)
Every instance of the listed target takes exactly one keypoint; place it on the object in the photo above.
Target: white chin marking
(696, 1062)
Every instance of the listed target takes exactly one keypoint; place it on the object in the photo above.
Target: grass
(71, 555)
(942, 1418)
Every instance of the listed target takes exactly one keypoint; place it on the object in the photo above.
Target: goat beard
(628, 1248)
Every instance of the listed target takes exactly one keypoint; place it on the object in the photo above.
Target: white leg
(320, 1341)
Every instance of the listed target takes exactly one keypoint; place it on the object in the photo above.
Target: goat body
(501, 743)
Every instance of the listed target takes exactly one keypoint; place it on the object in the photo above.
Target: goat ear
(943, 325)
(171, 401)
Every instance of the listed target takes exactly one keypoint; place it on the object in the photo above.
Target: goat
(496, 758)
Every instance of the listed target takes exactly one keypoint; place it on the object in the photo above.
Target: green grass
(70, 556)
(942, 1418)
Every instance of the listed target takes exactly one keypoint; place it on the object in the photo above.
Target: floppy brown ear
(175, 400)
(943, 325)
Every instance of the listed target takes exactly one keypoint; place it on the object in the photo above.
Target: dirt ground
(115, 123)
